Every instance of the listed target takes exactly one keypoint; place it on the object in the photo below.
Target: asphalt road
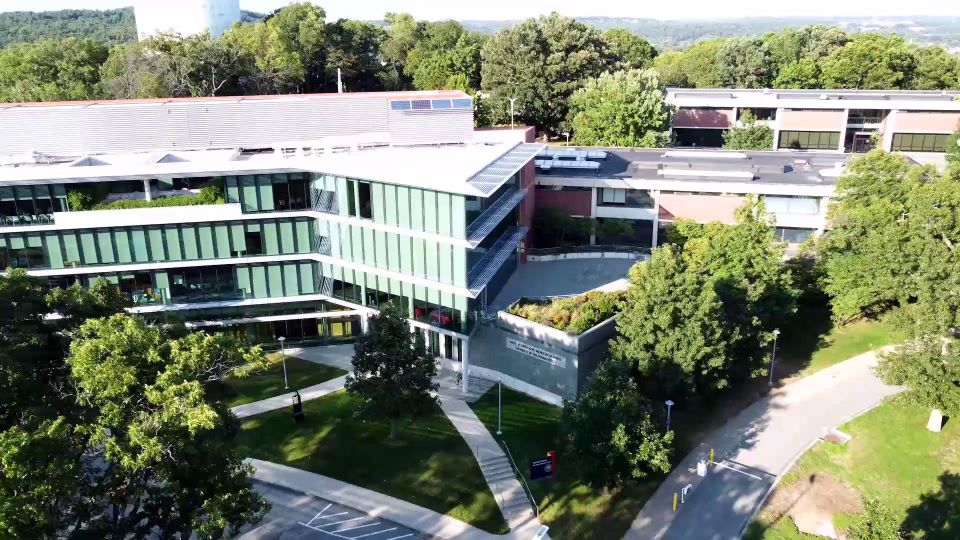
(295, 515)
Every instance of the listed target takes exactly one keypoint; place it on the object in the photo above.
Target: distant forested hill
(111, 26)
(677, 34)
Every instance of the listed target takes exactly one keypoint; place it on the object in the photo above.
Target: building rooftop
(447, 168)
(922, 100)
(788, 168)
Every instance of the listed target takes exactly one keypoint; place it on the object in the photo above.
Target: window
(759, 113)
(919, 142)
(809, 140)
(254, 241)
(630, 198)
(400, 105)
(366, 205)
(441, 104)
(793, 235)
(420, 104)
(463, 103)
(351, 199)
(792, 205)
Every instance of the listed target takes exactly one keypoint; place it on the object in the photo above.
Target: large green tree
(134, 71)
(446, 57)
(870, 62)
(611, 431)
(392, 370)
(672, 328)
(891, 238)
(625, 108)
(540, 63)
(745, 63)
(930, 369)
(51, 70)
(936, 69)
(628, 50)
(301, 30)
(354, 48)
(749, 135)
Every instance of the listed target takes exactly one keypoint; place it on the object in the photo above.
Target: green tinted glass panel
(88, 248)
(172, 237)
(207, 249)
(418, 257)
(445, 259)
(55, 254)
(105, 242)
(275, 275)
(258, 277)
(416, 209)
(271, 244)
(393, 252)
(403, 206)
(243, 280)
(369, 252)
(433, 271)
(288, 243)
(303, 235)
(71, 249)
(239, 241)
(378, 203)
(233, 189)
(458, 216)
(308, 282)
(406, 257)
(139, 245)
(443, 213)
(380, 238)
(265, 185)
(190, 249)
(430, 211)
(291, 281)
(249, 188)
(221, 235)
(121, 240)
(390, 205)
(460, 266)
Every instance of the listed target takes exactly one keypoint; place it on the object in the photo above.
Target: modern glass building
(205, 210)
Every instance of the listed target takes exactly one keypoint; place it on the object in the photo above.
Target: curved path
(753, 449)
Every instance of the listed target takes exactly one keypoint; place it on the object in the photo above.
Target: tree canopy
(749, 135)
(392, 371)
(625, 108)
(611, 431)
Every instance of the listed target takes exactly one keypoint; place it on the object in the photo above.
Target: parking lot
(296, 515)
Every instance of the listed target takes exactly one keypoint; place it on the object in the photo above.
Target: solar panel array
(495, 174)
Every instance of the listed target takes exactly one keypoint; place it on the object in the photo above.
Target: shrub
(211, 193)
(572, 315)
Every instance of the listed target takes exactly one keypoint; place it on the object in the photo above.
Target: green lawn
(893, 458)
(814, 343)
(572, 510)
(300, 374)
(429, 464)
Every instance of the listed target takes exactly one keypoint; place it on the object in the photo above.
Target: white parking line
(378, 532)
(738, 470)
(339, 522)
(320, 513)
(332, 515)
(357, 527)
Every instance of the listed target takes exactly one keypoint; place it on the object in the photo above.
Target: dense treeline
(550, 67)
(109, 26)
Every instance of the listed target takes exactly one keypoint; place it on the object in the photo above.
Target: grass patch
(300, 373)
(570, 508)
(429, 464)
(815, 343)
(893, 458)
(572, 315)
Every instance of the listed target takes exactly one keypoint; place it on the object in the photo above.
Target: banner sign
(536, 352)
(541, 469)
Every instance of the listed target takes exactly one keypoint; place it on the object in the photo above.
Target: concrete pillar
(776, 129)
(888, 127)
(365, 323)
(444, 353)
(843, 130)
(656, 219)
(465, 363)
(146, 190)
(824, 206)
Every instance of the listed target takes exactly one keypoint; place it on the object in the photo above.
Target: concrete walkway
(376, 504)
(753, 449)
(285, 400)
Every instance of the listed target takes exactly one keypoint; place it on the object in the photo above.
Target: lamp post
(567, 134)
(512, 100)
(499, 407)
(773, 356)
(669, 404)
(283, 359)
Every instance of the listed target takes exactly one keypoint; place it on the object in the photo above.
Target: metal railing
(588, 249)
(523, 481)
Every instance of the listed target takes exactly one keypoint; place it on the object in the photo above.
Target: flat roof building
(914, 122)
(294, 216)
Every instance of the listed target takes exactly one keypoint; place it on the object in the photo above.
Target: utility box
(701, 468)
(935, 424)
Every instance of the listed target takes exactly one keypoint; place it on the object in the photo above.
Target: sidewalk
(753, 449)
(285, 400)
(374, 504)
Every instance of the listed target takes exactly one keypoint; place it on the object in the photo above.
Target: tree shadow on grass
(803, 336)
(937, 514)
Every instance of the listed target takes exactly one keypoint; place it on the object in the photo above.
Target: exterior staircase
(513, 501)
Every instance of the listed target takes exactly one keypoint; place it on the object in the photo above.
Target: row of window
(430, 104)
(269, 192)
(298, 331)
(791, 204)
(793, 235)
(919, 142)
(38, 200)
(629, 198)
(160, 243)
(809, 140)
(208, 283)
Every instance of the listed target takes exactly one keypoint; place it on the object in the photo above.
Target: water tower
(185, 17)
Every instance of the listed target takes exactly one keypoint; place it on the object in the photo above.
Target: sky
(518, 9)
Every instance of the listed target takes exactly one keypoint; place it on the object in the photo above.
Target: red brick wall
(577, 203)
